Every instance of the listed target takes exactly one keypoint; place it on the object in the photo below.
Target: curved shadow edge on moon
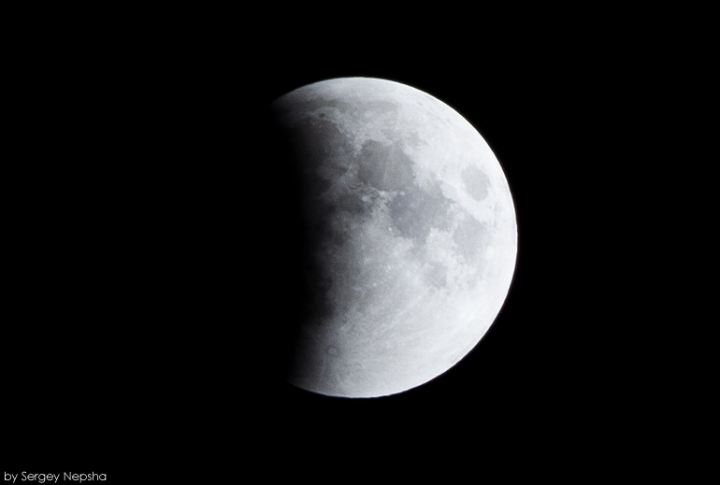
(409, 236)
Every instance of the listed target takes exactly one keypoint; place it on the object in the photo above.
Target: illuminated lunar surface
(411, 235)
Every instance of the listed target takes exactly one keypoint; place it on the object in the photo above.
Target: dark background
(151, 270)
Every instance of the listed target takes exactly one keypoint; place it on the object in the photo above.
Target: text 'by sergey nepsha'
(54, 477)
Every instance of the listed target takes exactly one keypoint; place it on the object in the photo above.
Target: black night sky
(155, 254)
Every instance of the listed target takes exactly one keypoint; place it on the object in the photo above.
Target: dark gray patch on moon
(414, 211)
(385, 167)
(317, 142)
(470, 237)
(355, 207)
(476, 182)
(324, 156)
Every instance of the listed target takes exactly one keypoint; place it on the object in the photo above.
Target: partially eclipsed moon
(412, 240)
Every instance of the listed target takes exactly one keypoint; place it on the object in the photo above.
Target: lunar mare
(412, 235)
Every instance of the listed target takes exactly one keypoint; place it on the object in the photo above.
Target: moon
(410, 235)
